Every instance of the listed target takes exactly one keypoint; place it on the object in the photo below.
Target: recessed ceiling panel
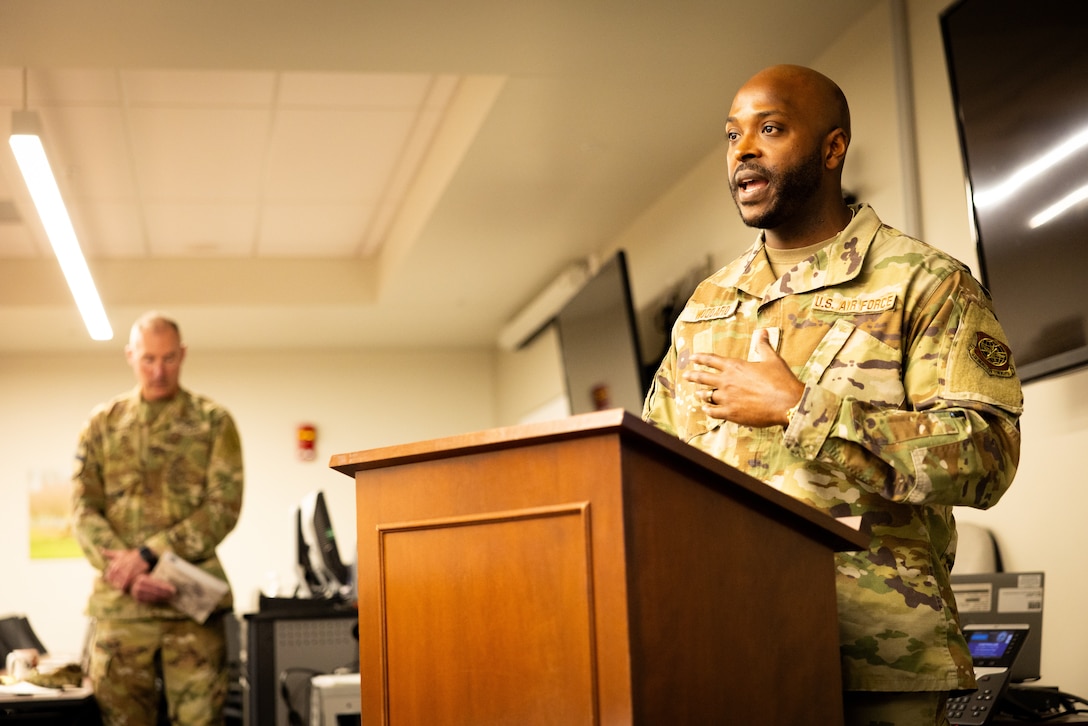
(92, 159)
(201, 230)
(16, 242)
(110, 229)
(354, 90)
(312, 230)
(335, 155)
(199, 88)
(199, 154)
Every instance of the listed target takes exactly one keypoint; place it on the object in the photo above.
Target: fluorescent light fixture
(26, 143)
(1070, 200)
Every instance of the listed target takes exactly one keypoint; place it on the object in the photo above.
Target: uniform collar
(138, 408)
(838, 262)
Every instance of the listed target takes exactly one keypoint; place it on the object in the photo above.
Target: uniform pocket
(703, 328)
(853, 364)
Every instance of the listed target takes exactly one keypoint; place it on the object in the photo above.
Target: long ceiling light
(26, 143)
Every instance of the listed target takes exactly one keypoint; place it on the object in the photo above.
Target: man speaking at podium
(858, 370)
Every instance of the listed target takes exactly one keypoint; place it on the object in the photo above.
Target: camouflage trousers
(875, 708)
(137, 664)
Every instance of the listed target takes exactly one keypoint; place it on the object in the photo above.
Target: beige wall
(529, 382)
(356, 401)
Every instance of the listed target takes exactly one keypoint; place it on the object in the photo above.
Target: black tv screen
(598, 341)
(1019, 74)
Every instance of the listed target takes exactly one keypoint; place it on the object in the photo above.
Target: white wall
(356, 401)
(530, 384)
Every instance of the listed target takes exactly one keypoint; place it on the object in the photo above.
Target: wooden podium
(592, 570)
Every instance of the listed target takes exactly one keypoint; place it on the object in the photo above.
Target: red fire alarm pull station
(307, 442)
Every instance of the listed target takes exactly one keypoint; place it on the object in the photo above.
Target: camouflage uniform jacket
(911, 406)
(172, 484)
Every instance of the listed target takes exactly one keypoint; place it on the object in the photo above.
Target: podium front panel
(490, 615)
(492, 588)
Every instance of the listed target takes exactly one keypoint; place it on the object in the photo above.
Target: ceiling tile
(199, 154)
(199, 88)
(109, 229)
(354, 90)
(89, 152)
(336, 156)
(196, 230)
(416, 146)
(316, 230)
(16, 242)
(11, 183)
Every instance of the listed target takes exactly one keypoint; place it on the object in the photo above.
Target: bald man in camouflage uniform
(158, 469)
(858, 370)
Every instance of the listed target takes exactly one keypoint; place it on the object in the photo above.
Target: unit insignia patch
(993, 355)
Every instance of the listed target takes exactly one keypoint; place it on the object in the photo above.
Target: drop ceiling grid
(164, 164)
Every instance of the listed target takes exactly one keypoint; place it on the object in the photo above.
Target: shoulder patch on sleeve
(980, 365)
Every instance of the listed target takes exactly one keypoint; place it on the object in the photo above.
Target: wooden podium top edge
(592, 424)
(502, 437)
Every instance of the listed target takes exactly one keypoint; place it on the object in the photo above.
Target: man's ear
(835, 145)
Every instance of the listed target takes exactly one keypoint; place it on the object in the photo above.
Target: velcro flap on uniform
(854, 304)
(826, 350)
(980, 365)
(697, 313)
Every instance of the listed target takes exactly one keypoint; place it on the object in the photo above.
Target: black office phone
(993, 650)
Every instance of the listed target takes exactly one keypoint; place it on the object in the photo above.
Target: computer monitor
(321, 571)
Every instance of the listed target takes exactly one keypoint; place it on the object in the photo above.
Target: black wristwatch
(149, 557)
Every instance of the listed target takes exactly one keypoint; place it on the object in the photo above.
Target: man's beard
(792, 189)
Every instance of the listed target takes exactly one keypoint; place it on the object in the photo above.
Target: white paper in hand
(198, 592)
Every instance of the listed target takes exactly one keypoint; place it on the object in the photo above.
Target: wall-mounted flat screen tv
(598, 340)
(1019, 74)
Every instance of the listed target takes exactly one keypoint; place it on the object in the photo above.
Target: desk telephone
(993, 650)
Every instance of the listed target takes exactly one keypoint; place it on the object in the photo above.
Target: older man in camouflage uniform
(158, 469)
(860, 371)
